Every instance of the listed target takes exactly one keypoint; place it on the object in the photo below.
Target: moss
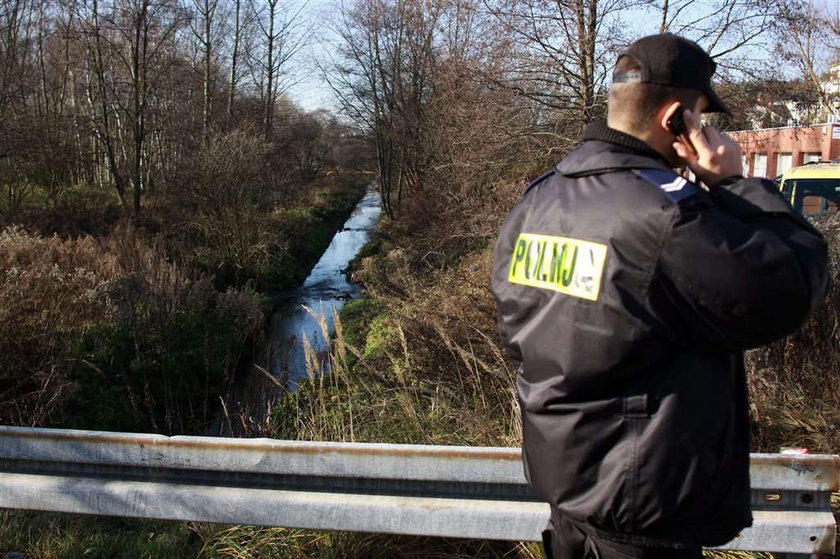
(356, 317)
(380, 332)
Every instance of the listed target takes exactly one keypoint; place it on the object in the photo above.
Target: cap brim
(716, 105)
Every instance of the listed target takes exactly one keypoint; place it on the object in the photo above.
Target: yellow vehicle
(813, 189)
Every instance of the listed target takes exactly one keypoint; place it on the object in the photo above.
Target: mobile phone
(676, 123)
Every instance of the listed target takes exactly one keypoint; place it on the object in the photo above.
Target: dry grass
(426, 373)
(104, 333)
(49, 295)
(39, 535)
(246, 542)
(737, 555)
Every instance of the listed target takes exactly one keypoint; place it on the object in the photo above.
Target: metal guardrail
(444, 491)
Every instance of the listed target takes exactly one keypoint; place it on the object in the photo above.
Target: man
(627, 294)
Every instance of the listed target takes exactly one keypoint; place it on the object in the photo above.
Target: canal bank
(311, 231)
(301, 323)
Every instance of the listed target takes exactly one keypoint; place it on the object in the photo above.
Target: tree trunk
(234, 59)
(268, 118)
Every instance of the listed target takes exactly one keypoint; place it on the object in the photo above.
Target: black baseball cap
(667, 59)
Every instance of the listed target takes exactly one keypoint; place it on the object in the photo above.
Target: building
(770, 152)
(831, 81)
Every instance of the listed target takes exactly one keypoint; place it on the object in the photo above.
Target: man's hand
(715, 156)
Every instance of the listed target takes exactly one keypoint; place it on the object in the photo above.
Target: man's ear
(666, 113)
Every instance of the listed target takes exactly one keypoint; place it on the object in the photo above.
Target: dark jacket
(627, 295)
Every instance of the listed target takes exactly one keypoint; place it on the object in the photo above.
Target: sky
(311, 92)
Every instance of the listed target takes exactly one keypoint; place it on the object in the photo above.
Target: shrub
(168, 355)
(108, 334)
(47, 297)
(225, 187)
(80, 210)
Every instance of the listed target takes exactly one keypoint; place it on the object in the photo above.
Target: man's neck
(602, 132)
(661, 143)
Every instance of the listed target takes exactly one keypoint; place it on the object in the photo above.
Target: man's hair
(636, 104)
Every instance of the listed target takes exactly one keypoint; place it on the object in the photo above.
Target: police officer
(627, 294)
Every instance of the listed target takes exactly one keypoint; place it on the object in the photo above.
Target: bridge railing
(459, 492)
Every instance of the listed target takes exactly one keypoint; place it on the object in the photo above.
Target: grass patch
(374, 247)
(69, 536)
(162, 369)
(243, 542)
(77, 210)
(108, 334)
(737, 554)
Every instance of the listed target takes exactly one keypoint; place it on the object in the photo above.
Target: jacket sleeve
(739, 268)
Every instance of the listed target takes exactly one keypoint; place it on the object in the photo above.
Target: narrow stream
(324, 292)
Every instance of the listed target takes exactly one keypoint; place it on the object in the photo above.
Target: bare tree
(722, 26)
(807, 38)
(224, 181)
(561, 50)
(34, 81)
(236, 45)
(129, 43)
(17, 28)
(204, 27)
(281, 38)
(382, 76)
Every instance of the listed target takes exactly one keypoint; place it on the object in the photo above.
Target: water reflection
(322, 295)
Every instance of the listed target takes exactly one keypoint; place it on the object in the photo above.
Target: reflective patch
(569, 266)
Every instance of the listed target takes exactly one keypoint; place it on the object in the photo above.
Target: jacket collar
(606, 149)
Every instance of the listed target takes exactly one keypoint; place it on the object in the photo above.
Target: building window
(760, 165)
(810, 157)
(784, 161)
